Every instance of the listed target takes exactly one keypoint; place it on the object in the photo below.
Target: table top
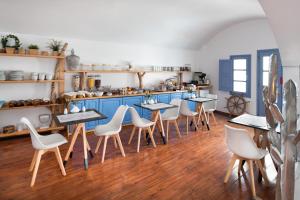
(201, 99)
(81, 117)
(156, 106)
(252, 121)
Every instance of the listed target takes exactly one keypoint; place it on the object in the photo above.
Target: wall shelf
(32, 81)
(32, 56)
(119, 71)
(26, 132)
(32, 106)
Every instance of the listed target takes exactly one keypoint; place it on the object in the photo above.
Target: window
(241, 67)
(235, 74)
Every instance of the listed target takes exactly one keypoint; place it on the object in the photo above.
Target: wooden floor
(192, 167)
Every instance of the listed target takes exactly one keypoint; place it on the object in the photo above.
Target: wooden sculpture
(283, 146)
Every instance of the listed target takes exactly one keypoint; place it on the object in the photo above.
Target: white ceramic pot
(42, 76)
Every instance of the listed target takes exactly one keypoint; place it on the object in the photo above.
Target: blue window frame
(241, 74)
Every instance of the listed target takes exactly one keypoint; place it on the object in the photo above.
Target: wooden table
(156, 116)
(200, 109)
(79, 119)
(261, 128)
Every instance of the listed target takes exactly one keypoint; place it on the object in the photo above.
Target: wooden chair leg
(151, 137)
(168, 124)
(214, 117)
(33, 160)
(207, 116)
(98, 144)
(132, 134)
(262, 171)
(194, 120)
(240, 166)
(177, 129)
(187, 125)
(115, 142)
(250, 163)
(120, 145)
(139, 140)
(59, 160)
(104, 148)
(36, 167)
(229, 169)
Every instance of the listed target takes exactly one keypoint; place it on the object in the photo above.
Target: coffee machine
(199, 78)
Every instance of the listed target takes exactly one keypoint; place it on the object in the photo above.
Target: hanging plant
(10, 41)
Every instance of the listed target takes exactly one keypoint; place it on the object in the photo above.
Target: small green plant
(55, 45)
(33, 46)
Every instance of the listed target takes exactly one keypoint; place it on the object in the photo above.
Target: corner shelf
(32, 81)
(32, 56)
(26, 132)
(32, 106)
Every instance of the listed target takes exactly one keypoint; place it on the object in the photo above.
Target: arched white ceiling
(171, 23)
(284, 18)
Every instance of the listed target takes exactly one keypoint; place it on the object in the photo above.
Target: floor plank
(191, 167)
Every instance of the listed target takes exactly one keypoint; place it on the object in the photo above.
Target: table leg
(89, 149)
(162, 133)
(70, 150)
(204, 114)
(199, 116)
(85, 148)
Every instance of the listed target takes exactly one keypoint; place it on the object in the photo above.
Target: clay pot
(45, 53)
(54, 53)
(33, 51)
(21, 51)
(10, 50)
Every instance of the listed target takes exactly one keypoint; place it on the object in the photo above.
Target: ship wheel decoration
(236, 104)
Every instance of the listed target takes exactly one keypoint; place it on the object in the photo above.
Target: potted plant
(10, 43)
(55, 46)
(33, 49)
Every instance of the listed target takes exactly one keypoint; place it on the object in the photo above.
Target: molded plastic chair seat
(243, 148)
(185, 111)
(141, 124)
(43, 144)
(53, 140)
(210, 106)
(111, 129)
(171, 115)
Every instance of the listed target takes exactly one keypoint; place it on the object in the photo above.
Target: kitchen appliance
(199, 78)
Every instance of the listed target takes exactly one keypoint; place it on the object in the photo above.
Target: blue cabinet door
(91, 104)
(108, 107)
(163, 98)
(177, 95)
(130, 101)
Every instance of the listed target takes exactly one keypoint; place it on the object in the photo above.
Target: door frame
(260, 110)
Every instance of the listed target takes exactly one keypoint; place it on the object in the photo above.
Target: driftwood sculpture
(283, 145)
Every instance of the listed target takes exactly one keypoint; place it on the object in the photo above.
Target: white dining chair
(143, 125)
(186, 111)
(171, 116)
(210, 106)
(111, 129)
(43, 144)
(242, 146)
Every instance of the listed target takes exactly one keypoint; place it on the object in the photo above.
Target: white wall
(242, 38)
(90, 52)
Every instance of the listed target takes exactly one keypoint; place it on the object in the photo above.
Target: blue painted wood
(192, 105)
(130, 101)
(92, 104)
(177, 95)
(225, 75)
(108, 107)
(248, 71)
(260, 109)
(164, 98)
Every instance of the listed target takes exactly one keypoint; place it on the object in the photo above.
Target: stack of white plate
(16, 75)
(2, 76)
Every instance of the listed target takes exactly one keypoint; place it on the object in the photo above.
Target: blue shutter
(225, 75)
